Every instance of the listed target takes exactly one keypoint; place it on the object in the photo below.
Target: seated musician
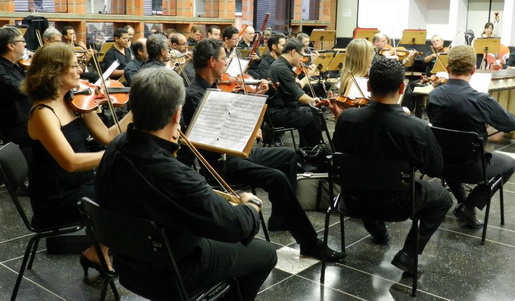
(139, 49)
(379, 41)
(70, 38)
(230, 40)
(488, 31)
(358, 59)
(275, 45)
(213, 32)
(195, 35)
(273, 169)
(118, 52)
(382, 131)
(181, 57)
(431, 56)
(158, 50)
(51, 35)
(62, 169)
(138, 176)
(246, 42)
(287, 105)
(456, 105)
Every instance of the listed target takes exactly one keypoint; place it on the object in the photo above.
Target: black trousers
(301, 118)
(432, 202)
(275, 170)
(498, 164)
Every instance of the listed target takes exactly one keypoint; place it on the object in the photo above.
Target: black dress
(53, 191)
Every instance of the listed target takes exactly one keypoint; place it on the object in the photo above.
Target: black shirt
(153, 63)
(383, 131)
(288, 92)
(456, 105)
(132, 68)
(15, 106)
(192, 42)
(266, 62)
(113, 54)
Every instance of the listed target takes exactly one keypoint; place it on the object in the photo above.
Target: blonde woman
(358, 59)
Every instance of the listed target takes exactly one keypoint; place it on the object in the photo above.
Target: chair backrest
(13, 172)
(130, 238)
(461, 149)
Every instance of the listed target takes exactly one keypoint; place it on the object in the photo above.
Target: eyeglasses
(224, 58)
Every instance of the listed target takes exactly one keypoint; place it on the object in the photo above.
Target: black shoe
(378, 231)
(86, 264)
(467, 216)
(276, 224)
(317, 251)
(405, 262)
(383, 240)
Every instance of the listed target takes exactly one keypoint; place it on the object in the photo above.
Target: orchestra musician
(195, 35)
(62, 169)
(130, 31)
(488, 31)
(246, 42)
(358, 58)
(431, 57)
(70, 38)
(213, 32)
(383, 131)
(179, 46)
(139, 48)
(158, 51)
(379, 41)
(52, 35)
(230, 40)
(273, 169)
(211, 240)
(118, 52)
(15, 105)
(456, 105)
(275, 45)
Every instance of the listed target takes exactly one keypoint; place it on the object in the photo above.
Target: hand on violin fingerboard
(263, 87)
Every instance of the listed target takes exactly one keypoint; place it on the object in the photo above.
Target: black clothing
(510, 61)
(252, 70)
(266, 62)
(113, 54)
(273, 169)
(284, 108)
(15, 106)
(211, 239)
(152, 63)
(132, 68)
(53, 191)
(456, 105)
(192, 42)
(382, 131)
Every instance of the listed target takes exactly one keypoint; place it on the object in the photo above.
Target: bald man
(246, 42)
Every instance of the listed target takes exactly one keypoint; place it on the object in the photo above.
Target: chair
(358, 173)
(459, 147)
(270, 131)
(13, 172)
(321, 124)
(142, 240)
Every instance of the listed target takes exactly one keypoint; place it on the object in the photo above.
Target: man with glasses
(15, 106)
(181, 57)
(118, 52)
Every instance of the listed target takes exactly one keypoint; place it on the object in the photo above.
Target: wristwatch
(256, 202)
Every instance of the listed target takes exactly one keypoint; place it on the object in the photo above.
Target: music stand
(413, 37)
(365, 33)
(487, 45)
(440, 64)
(323, 61)
(337, 63)
(322, 36)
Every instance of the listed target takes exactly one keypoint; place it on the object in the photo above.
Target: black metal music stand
(486, 46)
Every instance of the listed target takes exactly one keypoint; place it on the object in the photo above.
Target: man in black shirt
(456, 105)
(139, 49)
(246, 42)
(158, 51)
(118, 52)
(15, 106)
(230, 39)
(182, 57)
(382, 130)
(275, 45)
(284, 106)
(195, 35)
(273, 169)
(139, 176)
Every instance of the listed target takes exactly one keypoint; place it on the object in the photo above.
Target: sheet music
(354, 91)
(234, 68)
(481, 81)
(226, 120)
(108, 72)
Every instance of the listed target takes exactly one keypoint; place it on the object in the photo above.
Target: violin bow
(437, 56)
(241, 71)
(356, 83)
(210, 168)
(181, 68)
(109, 103)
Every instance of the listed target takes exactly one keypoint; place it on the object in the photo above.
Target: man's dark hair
(210, 29)
(136, 47)
(156, 43)
(386, 76)
(292, 44)
(204, 50)
(119, 32)
(65, 29)
(156, 95)
(7, 36)
(274, 40)
(229, 31)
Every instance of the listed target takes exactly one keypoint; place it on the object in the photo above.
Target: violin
(434, 80)
(235, 84)
(88, 97)
(24, 64)
(345, 102)
(400, 52)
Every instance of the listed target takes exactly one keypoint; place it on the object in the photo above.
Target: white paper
(481, 81)
(108, 72)
(354, 92)
(234, 68)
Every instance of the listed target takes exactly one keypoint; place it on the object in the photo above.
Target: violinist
(14, 105)
(182, 57)
(230, 40)
(287, 104)
(379, 41)
(139, 48)
(158, 51)
(358, 59)
(195, 35)
(51, 35)
(130, 31)
(118, 52)
(213, 32)
(431, 57)
(273, 169)
(275, 45)
(62, 169)
(211, 240)
(70, 38)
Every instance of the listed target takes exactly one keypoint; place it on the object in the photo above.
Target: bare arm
(100, 132)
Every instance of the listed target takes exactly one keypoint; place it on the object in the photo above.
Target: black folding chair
(356, 173)
(141, 240)
(13, 172)
(465, 162)
(270, 131)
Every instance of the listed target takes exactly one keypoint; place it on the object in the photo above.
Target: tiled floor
(457, 266)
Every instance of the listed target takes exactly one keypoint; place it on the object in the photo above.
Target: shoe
(317, 252)
(404, 262)
(86, 264)
(276, 223)
(382, 240)
(378, 231)
(467, 216)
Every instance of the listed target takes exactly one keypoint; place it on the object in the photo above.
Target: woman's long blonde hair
(358, 58)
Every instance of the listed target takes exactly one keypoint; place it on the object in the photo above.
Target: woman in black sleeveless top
(62, 169)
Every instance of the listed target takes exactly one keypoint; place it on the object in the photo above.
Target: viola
(88, 97)
(235, 84)
(346, 102)
(400, 52)
(24, 64)
(434, 80)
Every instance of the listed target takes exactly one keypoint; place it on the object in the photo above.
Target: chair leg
(114, 289)
(342, 231)
(415, 258)
(485, 225)
(33, 252)
(105, 284)
(326, 237)
(293, 140)
(263, 226)
(23, 267)
(501, 202)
